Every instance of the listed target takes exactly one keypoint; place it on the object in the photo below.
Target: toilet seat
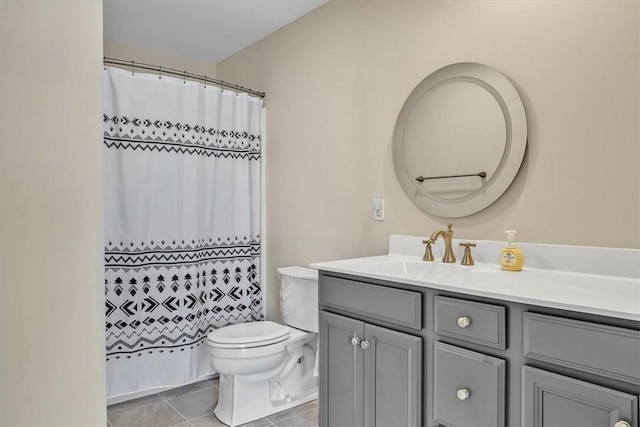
(248, 335)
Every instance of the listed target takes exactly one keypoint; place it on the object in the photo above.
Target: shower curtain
(182, 224)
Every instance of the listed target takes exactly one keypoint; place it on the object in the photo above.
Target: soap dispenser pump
(511, 258)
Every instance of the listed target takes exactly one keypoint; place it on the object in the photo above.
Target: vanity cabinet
(470, 321)
(596, 348)
(609, 352)
(469, 387)
(438, 358)
(552, 400)
(370, 374)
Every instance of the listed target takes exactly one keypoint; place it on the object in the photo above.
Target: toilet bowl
(266, 367)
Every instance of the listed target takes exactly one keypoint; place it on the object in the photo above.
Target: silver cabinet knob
(622, 423)
(464, 321)
(355, 341)
(365, 344)
(463, 394)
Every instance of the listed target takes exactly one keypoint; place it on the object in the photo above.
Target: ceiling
(207, 30)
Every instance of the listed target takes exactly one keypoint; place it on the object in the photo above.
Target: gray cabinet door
(552, 400)
(341, 371)
(392, 381)
(469, 388)
(376, 382)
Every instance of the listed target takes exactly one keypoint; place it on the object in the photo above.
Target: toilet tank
(299, 297)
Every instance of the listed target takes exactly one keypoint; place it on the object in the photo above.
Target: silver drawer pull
(464, 321)
(355, 340)
(463, 394)
(365, 344)
(622, 423)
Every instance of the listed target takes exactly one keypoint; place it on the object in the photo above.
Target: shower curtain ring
(160, 72)
(133, 68)
(205, 81)
(184, 77)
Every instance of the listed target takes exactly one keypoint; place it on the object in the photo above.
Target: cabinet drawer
(469, 388)
(475, 322)
(387, 304)
(591, 347)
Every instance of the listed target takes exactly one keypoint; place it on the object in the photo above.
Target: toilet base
(251, 389)
(255, 400)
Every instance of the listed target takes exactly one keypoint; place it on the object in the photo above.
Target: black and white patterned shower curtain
(182, 215)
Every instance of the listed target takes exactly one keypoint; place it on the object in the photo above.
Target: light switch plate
(378, 209)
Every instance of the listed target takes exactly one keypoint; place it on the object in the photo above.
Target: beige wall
(51, 279)
(127, 52)
(337, 78)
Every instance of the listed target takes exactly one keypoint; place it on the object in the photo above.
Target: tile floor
(192, 406)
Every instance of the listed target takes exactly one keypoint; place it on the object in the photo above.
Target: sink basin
(422, 268)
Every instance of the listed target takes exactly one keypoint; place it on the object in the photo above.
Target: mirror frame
(515, 119)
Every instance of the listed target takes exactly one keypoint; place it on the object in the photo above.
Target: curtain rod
(178, 73)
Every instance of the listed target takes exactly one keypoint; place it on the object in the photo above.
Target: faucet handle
(449, 225)
(428, 254)
(467, 259)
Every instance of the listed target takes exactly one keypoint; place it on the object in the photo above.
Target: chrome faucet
(448, 257)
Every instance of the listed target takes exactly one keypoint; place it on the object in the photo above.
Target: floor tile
(135, 403)
(154, 415)
(187, 389)
(258, 423)
(296, 410)
(306, 419)
(196, 404)
(210, 420)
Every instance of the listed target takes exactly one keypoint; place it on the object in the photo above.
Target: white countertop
(594, 292)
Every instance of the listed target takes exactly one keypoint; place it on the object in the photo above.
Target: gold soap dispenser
(511, 257)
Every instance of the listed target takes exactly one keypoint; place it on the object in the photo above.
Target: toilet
(266, 367)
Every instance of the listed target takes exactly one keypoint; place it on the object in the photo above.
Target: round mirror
(459, 140)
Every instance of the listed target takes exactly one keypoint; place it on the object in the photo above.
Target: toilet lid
(252, 334)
